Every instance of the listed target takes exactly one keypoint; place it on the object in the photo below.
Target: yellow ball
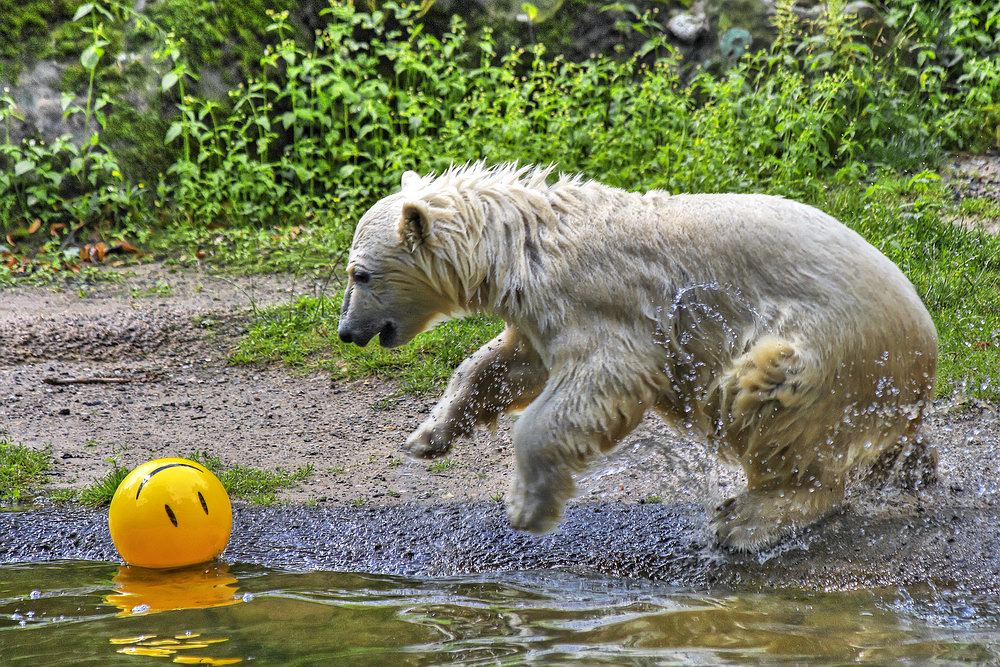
(170, 513)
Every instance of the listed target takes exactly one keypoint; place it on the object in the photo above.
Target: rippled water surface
(74, 613)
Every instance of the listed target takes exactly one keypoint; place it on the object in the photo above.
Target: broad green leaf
(90, 56)
(168, 81)
(172, 132)
(83, 10)
(23, 167)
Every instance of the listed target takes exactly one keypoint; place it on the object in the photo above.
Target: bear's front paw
(430, 440)
(537, 512)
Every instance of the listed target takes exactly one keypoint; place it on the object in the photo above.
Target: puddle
(78, 613)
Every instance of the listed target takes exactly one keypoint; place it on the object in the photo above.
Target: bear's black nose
(345, 335)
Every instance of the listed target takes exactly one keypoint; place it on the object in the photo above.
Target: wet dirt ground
(641, 512)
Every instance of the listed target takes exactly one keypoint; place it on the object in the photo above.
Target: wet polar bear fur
(797, 349)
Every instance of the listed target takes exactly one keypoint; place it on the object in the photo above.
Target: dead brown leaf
(123, 247)
(36, 224)
(93, 252)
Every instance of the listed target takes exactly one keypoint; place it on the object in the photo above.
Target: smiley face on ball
(170, 513)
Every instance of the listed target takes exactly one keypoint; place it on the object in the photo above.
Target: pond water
(81, 613)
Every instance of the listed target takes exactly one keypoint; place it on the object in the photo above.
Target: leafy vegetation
(21, 469)
(275, 177)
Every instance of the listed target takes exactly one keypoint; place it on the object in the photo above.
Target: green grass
(100, 492)
(21, 470)
(254, 485)
(980, 207)
(441, 467)
(304, 336)
(160, 288)
(312, 249)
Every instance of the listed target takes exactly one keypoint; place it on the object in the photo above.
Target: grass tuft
(21, 469)
(254, 485)
(100, 492)
(304, 335)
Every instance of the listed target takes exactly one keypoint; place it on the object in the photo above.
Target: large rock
(38, 96)
(687, 27)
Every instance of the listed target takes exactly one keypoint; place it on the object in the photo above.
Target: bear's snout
(361, 334)
(355, 335)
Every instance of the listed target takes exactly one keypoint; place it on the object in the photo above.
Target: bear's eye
(361, 276)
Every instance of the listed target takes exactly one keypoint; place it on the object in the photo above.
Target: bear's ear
(414, 225)
(410, 179)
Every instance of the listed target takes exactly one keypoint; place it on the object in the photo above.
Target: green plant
(255, 485)
(100, 492)
(441, 467)
(57, 189)
(21, 468)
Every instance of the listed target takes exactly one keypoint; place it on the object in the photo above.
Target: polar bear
(798, 350)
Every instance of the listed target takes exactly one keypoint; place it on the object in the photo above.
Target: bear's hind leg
(758, 518)
(917, 462)
(769, 402)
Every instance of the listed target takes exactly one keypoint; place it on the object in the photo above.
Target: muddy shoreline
(641, 512)
(954, 549)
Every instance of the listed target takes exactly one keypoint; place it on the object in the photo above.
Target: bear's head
(395, 287)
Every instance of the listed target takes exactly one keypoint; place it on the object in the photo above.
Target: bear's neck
(501, 261)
